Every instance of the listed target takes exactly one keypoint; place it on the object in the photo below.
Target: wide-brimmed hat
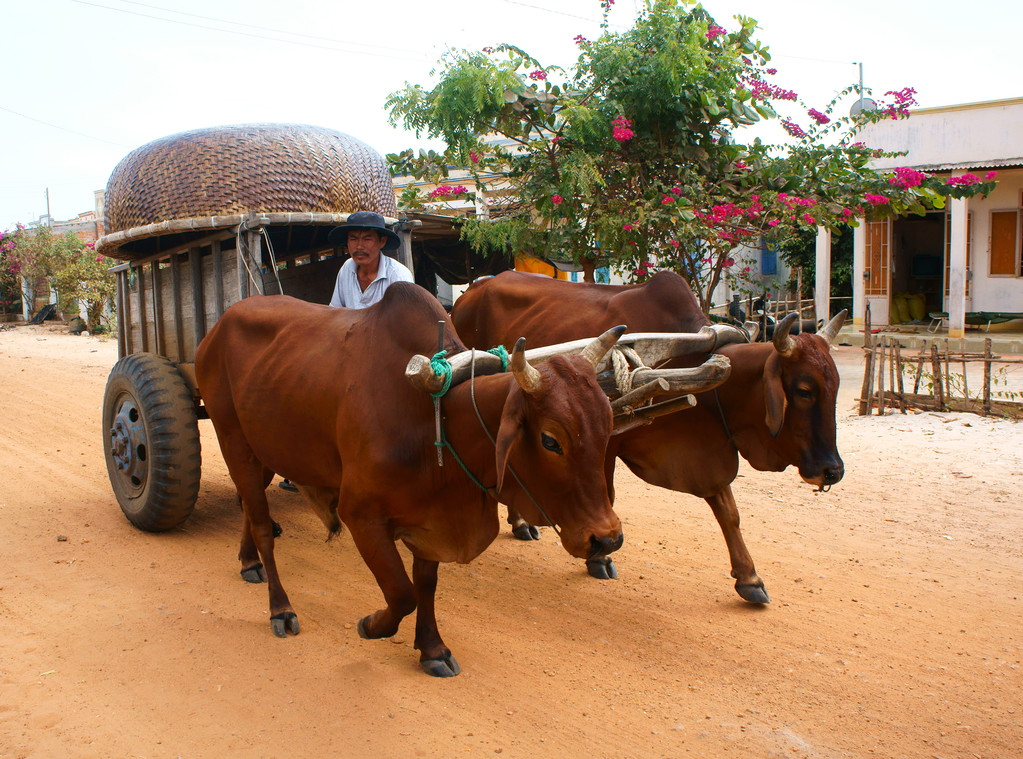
(364, 220)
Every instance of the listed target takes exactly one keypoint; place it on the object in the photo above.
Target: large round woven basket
(212, 178)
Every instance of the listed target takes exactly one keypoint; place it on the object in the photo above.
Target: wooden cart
(202, 220)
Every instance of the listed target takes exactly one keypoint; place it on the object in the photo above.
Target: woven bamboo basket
(180, 187)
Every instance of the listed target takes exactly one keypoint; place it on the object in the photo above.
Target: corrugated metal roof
(994, 163)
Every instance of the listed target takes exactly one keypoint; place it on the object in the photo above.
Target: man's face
(364, 246)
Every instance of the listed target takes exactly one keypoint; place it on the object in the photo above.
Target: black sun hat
(364, 220)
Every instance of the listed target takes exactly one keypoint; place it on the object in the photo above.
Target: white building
(964, 259)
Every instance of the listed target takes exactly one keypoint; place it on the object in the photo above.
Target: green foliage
(63, 262)
(632, 158)
(800, 251)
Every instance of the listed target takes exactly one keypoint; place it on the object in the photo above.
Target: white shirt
(348, 294)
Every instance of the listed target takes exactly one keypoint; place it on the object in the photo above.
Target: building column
(956, 305)
(859, 269)
(822, 284)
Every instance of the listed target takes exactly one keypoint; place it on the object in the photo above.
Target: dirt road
(895, 627)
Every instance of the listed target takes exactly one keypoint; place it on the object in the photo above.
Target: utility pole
(49, 218)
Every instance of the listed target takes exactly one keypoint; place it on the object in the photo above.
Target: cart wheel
(152, 442)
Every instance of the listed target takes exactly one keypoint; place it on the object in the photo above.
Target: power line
(265, 28)
(63, 129)
(247, 34)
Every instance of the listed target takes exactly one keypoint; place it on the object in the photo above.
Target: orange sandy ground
(895, 627)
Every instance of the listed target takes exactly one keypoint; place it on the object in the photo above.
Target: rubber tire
(155, 473)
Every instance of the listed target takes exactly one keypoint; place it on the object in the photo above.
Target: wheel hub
(128, 444)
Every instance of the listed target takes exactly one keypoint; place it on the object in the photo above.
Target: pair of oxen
(339, 402)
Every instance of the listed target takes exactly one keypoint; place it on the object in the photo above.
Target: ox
(776, 409)
(319, 396)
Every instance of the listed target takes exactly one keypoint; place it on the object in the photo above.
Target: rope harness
(440, 365)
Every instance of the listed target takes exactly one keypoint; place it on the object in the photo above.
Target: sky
(87, 81)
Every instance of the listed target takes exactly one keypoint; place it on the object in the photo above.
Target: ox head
(800, 384)
(553, 435)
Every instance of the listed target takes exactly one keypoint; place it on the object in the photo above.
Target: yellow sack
(918, 307)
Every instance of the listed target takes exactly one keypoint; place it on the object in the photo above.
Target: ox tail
(334, 529)
(324, 502)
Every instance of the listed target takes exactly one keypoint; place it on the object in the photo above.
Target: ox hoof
(755, 594)
(284, 623)
(602, 569)
(254, 574)
(446, 667)
(526, 532)
(276, 529)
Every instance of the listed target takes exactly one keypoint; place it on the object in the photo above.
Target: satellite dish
(863, 104)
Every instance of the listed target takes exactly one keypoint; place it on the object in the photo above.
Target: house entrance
(918, 266)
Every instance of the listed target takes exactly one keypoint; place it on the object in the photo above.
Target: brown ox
(777, 407)
(319, 395)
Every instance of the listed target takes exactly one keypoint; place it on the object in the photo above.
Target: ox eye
(804, 392)
(551, 444)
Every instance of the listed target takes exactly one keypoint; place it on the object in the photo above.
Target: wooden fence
(937, 366)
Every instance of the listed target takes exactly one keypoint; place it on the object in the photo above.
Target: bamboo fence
(937, 366)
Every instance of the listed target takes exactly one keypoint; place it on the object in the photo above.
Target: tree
(62, 262)
(633, 158)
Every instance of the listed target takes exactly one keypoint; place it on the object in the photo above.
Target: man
(367, 273)
(365, 276)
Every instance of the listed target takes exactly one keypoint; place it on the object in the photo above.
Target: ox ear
(513, 421)
(774, 394)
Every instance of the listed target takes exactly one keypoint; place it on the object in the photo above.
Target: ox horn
(525, 374)
(783, 341)
(830, 332)
(595, 351)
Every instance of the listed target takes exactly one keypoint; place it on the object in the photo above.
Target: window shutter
(1004, 225)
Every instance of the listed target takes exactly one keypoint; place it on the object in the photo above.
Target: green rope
(443, 443)
(441, 365)
(502, 354)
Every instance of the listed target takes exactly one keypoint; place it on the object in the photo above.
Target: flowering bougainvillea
(649, 152)
(714, 32)
(793, 128)
(819, 117)
(621, 131)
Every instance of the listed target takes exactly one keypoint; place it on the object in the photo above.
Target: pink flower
(556, 199)
(668, 200)
(728, 262)
(793, 128)
(772, 72)
(627, 227)
(846, 213)
(808, 218)
(579, 39)
(673, 243)
(906, 177)
(773, 223)
(714, 32)
(621, 131)
(474, 156)
(965, 179)
(741, 165)
(676, 191)
(817, 116)
(99, 258)
(990, 175)
(903, 100)
(875, 200)
(538, 75)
